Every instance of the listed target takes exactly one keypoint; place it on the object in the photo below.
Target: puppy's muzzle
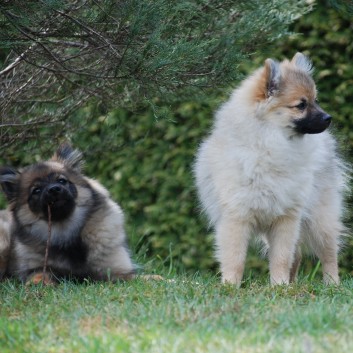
(55, 190)
(60, 200)
(327, 120)
(315, 122)
(54, 193)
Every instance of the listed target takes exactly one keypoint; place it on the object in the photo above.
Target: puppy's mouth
(60, 201)
(59, 209)
(57, 203)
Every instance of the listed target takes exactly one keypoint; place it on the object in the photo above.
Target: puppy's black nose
(55, 189)
(327, 119)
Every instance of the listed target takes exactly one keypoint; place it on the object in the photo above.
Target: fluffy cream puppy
(269, 167)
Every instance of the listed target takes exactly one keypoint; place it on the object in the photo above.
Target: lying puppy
(87, 228)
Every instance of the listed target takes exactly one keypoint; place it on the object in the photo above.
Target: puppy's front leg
(283, 238)
(40, 278)
(232, 239)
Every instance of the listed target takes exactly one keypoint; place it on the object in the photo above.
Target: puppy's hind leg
(232, 239)
(324, 230)
(324, 241)
(296, 264)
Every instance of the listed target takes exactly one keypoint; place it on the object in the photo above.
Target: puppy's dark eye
(302, 105)
(36, 191)
(62, 181)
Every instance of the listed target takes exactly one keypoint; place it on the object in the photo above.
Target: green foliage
(67, 54)
(342, 5)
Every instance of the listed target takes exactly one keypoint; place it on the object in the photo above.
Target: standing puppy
(87, 228)
(270, 168)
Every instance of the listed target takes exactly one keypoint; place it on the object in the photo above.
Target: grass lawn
(182, 314)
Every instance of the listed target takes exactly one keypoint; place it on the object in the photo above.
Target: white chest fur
(261, 177)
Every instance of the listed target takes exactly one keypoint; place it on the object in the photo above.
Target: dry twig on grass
(48, 244)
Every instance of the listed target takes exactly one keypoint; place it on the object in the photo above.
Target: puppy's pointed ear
(9, 178)
(273, 77)
(303, 63)
(69, 157)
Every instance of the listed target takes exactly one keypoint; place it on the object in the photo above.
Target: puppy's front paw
(40, 278)
(151, 277)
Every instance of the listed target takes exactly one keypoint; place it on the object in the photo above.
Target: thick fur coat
(87, 227)
(269, 167)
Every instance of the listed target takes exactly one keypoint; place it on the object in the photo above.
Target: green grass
(182, 314)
